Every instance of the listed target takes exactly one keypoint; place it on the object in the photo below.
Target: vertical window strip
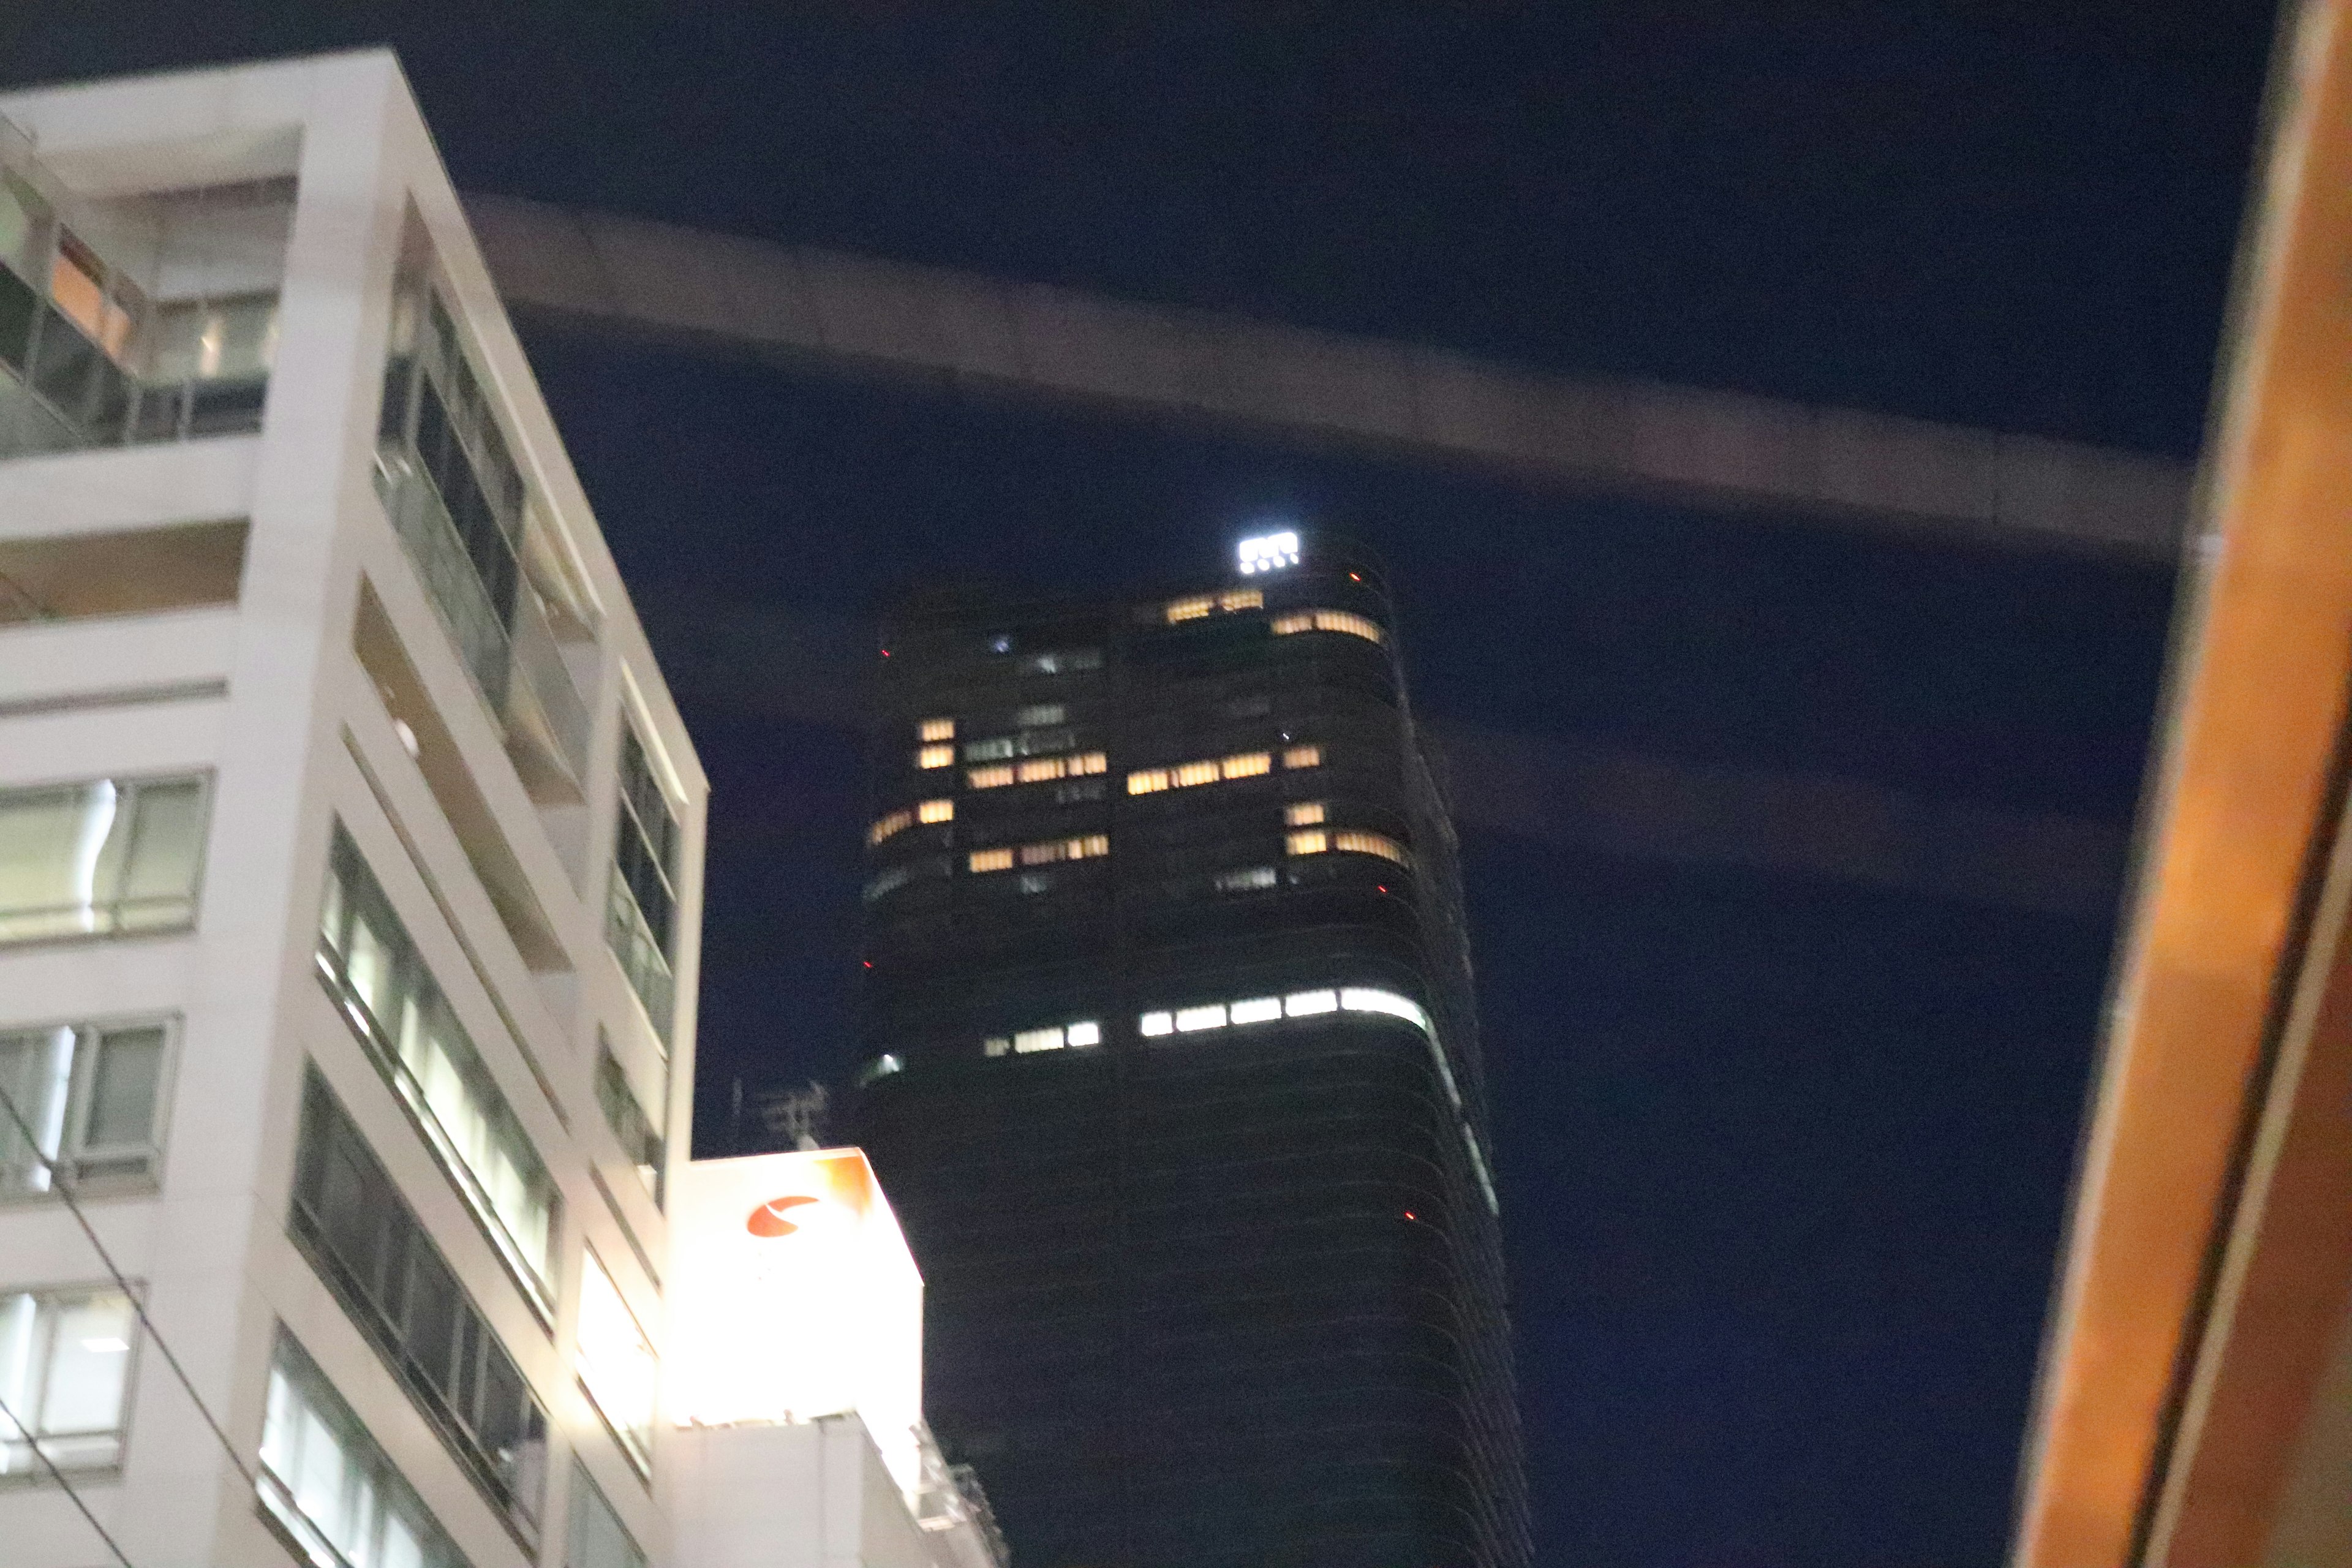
(616, 1363)
(642, 900)
(630, 1123)
(371, 965)
(65, 1368)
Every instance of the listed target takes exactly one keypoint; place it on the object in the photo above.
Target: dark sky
(1783, 1158)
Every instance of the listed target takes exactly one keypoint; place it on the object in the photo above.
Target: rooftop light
(1268, 552)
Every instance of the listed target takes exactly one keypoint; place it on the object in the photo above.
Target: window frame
(72, 1142)
(43, 1296)
(202, 778)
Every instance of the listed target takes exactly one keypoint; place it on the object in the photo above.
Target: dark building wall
(1208, 1285)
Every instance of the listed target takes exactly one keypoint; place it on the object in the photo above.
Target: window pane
(122, 1090)
(49, 842)
(167, 837)
(89, 1358)
(597, 1537)
(326, 1480)
(36, 1072)
(616, 1363)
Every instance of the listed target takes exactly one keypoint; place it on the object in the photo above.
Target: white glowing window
(1248, 765)
(1248, 880)
(938, 729)
(1045, 713)
(935, 757)
(1234, 599)
(1306, 1003)
(1085, 1034)
(1152, 1025)
(1147, 782)
(1312, 842)
(996, 1044)
(65, 1359)
(884, 827)
(1364, 999)
(1257, 1010)
(991, 859)
(1190, 609)
(1358, 843)
(1029, 1040)
(988, 778)
(1304, 813)
(1191, 1019)
(936, 810)
(995, 749)
(1267, 552)
(1301, 621)
(1303, 757)
(616, 1362)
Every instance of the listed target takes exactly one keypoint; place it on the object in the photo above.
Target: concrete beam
(1716, 450)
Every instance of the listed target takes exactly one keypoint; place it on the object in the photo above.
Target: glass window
(101, 859)
(89, 1094)
(597, 1539)
(937, 730)
(616, 1362)
(369, 962)
(65, 1366)
(367, 1244)
(627, 1119)
(329, 1483)
(642, 911)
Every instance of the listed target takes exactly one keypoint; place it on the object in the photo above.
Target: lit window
(935, 811)
(1306, 1003)
(90, 1094)
(1190, 609)
(1043, 769)
(99, 858)
(1153, 1025)
(329, 1483)
(641, 896)
(1046, 713)
(937, 730)
(1147, 782)
(1267, 552)
(1089, 763)
(1362, 999)
(1028, 1041)
(1085, 847)
(1355, 626)
(1257, 1010)
(989, 778)
(989, 750)
(1247, 880)
(1190, 1020)
(1304, 813)
(1312, 842)
(884, 827)
(597, 1537)
(65, 1363)
(628, 1119)
(1234, 599)
(995, 1046)
(991, 859)
(1086, 1034)
(1248, 765)
(935, 757)
(1193, 773)
(616, 1362)
(1359, 843)
(1303, 757)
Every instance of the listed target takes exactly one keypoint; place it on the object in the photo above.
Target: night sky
(1783, 1160)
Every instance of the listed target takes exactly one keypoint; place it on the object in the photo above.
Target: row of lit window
(1329, 621)
(1082, 1034)
(1036, 769)
(1346, 841)
(1298, 1004)
(1198, 606)
(1210, 770)
(900, 820)
(1085, 847)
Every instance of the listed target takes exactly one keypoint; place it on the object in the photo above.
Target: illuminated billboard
(792, 1295)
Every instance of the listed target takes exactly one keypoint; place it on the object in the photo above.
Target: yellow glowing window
(1355, 626)
(1305, 814)
(939, 729)
(1303, 757)
(1089, 763)
(989, 778)
(1247, 764)
(1241, 599)
(884, 826)
(1042, 768)
(991, 859)
(1286, 625)
(1309, 843)
(935, 757)
(936, 810)
(1148, 781)
(1369, 844)
(1193, 773)
(1190, 609)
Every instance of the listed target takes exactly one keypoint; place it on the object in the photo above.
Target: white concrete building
(349, 873)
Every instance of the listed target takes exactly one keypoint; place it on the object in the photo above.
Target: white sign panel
(792, 1295)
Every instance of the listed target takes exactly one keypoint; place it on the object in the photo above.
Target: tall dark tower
(1175, 1079)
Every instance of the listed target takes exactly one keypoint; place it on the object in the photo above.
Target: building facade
(1174, 1076)
(350, 866)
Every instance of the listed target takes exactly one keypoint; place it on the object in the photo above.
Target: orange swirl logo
(768, 1219)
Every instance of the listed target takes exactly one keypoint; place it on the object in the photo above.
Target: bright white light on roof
(1268, 552)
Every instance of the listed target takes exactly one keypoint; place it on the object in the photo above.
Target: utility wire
(59, 1476)
(63, 1186)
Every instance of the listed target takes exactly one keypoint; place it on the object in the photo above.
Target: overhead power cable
(59, 1476)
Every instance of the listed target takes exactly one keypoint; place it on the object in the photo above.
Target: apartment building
(349, 878)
